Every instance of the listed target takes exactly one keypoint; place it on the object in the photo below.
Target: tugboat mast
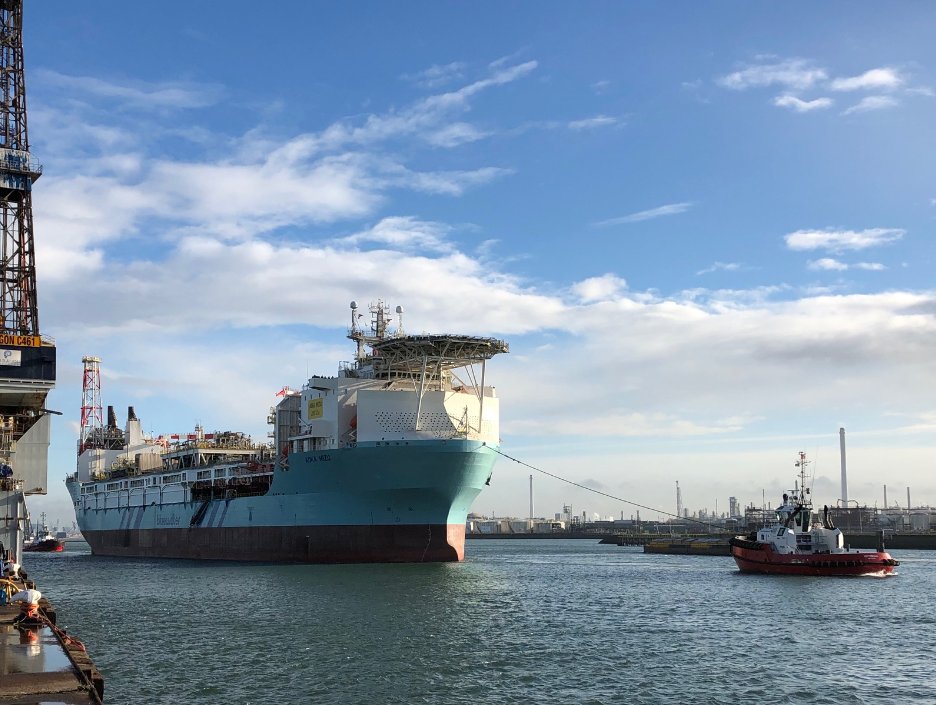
(801, 464)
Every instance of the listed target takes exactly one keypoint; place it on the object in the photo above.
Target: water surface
(533, 621)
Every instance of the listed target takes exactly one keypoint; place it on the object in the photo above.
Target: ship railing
(211, 461)
(251, 469)
(19, 162)
(129, 492)
(214, 445)
(11, 484)
(246, 486)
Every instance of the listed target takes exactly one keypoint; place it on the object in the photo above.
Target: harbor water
(537, 621)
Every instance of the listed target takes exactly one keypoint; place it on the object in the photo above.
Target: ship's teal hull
(387, 501)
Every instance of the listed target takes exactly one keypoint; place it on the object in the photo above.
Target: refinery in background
(895, 518)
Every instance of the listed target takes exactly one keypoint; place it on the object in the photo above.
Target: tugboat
(795, 545)
(44, 541)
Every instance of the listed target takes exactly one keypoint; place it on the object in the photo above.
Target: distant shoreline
(919, 541)
(550, 535)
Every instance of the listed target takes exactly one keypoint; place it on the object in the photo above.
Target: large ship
(377, 464)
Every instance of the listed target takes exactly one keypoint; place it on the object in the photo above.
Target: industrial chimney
(844, 478)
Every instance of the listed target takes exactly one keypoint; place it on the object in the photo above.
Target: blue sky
(705, 230)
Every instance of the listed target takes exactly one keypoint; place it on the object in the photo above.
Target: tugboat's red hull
(48, 546)
(754, 557)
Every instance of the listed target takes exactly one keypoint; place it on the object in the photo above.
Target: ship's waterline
(394, 543)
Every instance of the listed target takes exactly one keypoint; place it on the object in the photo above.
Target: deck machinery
(27, 358)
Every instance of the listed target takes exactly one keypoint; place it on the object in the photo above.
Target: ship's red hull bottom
(289, 544)
(765, 560)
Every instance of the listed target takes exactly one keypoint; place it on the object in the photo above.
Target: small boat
(44, 541)
(796, 545)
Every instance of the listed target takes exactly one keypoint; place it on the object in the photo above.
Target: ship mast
(380, 323)
(803, 514)
(92, 416)
(801, 464)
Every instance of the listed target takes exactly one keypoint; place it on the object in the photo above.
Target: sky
(705, 230)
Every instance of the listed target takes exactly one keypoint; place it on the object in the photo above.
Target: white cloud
(119, 185)
(403, 233)
(84, 212)
(827, 264)
(451, 183)
(455, 134)
(875, 79)
(601, 86)
(872, 102)
(720, 267)
(841, 240)
(599, 288)
(798, 75)
(592, 122)
(801, 106)
(795, 74)
(659, 212)
(502, 61)
(140, 95)
(209, 285)
(437, 75)
(429, 119)
(697, 89)
(637, 425)
(925, 422)
(672, 354)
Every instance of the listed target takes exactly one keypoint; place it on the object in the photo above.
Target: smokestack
(111, 417)
(885, 496)
(844, 479)
(131, 414)
(908, 499)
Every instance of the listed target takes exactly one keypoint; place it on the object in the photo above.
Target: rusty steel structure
(19, 312)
